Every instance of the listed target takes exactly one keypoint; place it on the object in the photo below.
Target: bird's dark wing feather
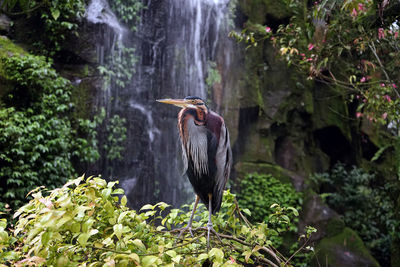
(223, 159)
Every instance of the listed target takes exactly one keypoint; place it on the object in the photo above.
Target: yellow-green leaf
(83, 238)
(134, 257)
(177, 259)
(202, 256)
(147, 207)
(118, 228)
(124, 200)
(217, 254)
(149, 261)
(139, 244)
(171, 253)
(246, 255)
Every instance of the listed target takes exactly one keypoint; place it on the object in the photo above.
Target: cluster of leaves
(119, 67)
(56, 20)
(352, 45)
(128, 11)
(116, 136)
(38, 136)
(85, 222)
(364, 205)
(213, 75)
(259, 191)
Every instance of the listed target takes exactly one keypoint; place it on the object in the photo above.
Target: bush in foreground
(86, 223)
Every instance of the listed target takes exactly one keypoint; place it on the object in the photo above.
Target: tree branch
(373, 49)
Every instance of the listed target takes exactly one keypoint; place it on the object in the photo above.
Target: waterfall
(174, 43)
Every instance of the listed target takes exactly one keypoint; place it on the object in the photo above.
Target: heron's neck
(199, 115)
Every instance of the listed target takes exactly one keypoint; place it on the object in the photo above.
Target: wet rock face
(174, 43)
(5, 24)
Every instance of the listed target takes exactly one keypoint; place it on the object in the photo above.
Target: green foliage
(365, 206)
(116, 137)
(346, 44)
(259, 194)
(39, 139)
(57, 19)
(259, 191)
(119, 67)
(85, 222)
(213, 75)
(128, 11)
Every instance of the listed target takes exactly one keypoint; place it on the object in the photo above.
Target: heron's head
(193, 102)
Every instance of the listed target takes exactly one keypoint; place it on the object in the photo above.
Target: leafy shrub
(55, 20)
(85, 222)
(259, 191)
(128, 11)
(364, 205)
(38, 135)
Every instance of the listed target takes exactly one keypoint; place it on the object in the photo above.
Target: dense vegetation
(84, 222)
(365, 205)
(45, 137)
(39, 136)
(55, 20)
(352, 48)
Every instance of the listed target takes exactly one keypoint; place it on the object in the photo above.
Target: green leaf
(379, 153)
(247, 211)
(83, 238)
(147, 207)
(134, 257)
(217, 254)
(122, 216)
(202, 257)
(46, 238)
(295, 212)
(118, 230)
(177, 259)
(148, 261)
(55, 13)
(118, 191)
(171, 253)
(247, 255)
(138, 243)
(3, 224)
(124, 200)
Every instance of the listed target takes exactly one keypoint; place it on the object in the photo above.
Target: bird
(206, 154)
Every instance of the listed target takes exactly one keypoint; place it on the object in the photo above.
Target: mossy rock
(276, 171)
(7, 49)
(334, 226)
(317, 214)
(259, 10)
(330, 109)
(343, 249)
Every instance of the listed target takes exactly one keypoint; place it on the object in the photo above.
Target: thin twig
(269, 251)
(241, 215)
(111, 250)
(297, 251)
(174, 247)
(21, 12)
(373, 49)
(273, 254)
(264, 260)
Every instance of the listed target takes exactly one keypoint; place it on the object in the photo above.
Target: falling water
(174, 43)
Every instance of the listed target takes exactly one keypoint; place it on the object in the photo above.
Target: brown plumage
(207, 155)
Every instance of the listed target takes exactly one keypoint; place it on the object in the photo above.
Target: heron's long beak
(177, 102)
